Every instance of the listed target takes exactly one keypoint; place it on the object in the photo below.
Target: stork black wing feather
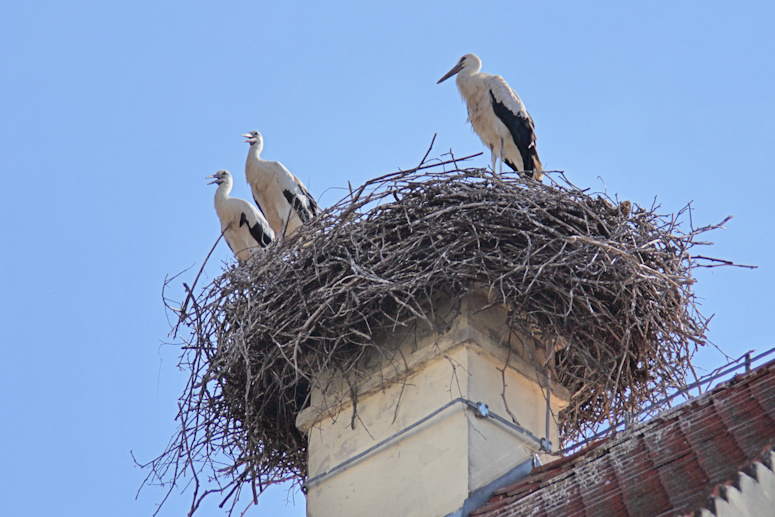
(257, 231)
(521, 129)
(313, 206)
(304, 213)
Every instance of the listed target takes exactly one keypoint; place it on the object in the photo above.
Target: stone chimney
(431, 432)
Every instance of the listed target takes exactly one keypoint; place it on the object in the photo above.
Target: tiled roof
(674, 464)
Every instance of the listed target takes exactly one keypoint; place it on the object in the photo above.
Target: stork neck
(465, 83)
(255, 151)
(223, 191)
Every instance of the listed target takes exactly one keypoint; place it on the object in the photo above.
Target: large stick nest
(610, 281)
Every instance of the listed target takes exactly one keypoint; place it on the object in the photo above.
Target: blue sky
(113, 114)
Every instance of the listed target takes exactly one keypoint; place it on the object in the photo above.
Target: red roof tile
(670, 465)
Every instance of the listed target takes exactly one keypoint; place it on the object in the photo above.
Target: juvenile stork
(498, 116)
(280, 195)
(244, 227)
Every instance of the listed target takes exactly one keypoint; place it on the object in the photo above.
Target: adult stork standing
(244, 227)
(498, 116)
(280, 195)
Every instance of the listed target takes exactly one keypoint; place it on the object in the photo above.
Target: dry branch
(610, 281)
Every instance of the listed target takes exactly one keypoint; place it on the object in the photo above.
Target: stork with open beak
(244, 227)
(280, 195)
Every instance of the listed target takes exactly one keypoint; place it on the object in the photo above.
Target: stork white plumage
(498, 116)
(280, 195)
(244, 227)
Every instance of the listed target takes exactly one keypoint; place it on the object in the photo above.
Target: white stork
(498, 116)
(244, 227)
(280, 195)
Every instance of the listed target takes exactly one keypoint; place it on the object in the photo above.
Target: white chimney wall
(431, 469)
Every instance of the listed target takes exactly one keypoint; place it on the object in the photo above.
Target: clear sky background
(114, 112)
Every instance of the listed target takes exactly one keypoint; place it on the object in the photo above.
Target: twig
(325, 303)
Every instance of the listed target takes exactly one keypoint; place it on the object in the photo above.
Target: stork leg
(501, 157)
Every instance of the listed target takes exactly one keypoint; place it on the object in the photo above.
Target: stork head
(221, 176)
(470, 64)
(254, 138)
